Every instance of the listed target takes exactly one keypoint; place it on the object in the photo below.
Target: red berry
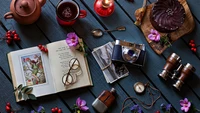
(9, 38)
(16, 35)
(190, 44)
(45, 50)
(56, 109)
(59, 110)
(13, 32)
(8, 32)
(18, 39)
(8, 104)
(53, 110)
(193, 45)
(8, 35)
(8, 42)
(15, 38)
(40, 46)
(194, 50)
(8, 109)
(157, 111)
(191, 41)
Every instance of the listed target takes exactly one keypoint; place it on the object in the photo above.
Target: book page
(30, 67)
(60, 56)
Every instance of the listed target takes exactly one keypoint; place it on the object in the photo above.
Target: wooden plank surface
(47, 30)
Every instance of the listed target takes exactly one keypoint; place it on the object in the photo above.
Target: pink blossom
(185, 105)
(81, 104)
(72, 39)
(154, 35)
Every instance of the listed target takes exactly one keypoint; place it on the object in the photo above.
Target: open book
(44, 72)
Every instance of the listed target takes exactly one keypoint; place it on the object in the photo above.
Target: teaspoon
(99, 32)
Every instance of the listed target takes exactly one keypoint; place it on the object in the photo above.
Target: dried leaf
(32, 97)
(20, 95)
(28, 90)
(19, 87)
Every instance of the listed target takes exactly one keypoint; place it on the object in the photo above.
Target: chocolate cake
(167, 15)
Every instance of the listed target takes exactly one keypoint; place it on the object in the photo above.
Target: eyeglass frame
(68, 74)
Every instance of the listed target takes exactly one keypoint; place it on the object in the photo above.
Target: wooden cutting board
(146, 26)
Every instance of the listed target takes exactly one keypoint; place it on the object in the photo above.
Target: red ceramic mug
(68, 11)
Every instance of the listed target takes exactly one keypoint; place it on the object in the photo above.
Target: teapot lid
(25, 7)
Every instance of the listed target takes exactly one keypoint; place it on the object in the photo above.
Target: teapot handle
(42, 2)
(8, 15)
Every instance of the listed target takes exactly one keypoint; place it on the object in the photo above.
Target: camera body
(176, 71)
(130, 53)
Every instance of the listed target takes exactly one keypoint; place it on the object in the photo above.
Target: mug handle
(83, 14)
(8, 15)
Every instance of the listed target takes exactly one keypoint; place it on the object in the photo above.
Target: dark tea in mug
(68, 11)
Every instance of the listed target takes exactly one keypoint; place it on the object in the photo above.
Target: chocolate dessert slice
(167, 15)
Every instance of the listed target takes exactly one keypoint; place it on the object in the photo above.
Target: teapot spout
(42, 2)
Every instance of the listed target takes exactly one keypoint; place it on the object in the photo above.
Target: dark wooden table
(47, 30)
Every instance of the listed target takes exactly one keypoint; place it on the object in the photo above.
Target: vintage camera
(131, 53)
(176, 71)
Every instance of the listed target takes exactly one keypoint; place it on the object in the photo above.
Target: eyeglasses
(71, 76)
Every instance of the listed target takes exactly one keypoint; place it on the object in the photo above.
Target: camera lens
(130, 55)
(130, 52)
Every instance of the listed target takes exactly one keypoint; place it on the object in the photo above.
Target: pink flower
(72, 39)
(154, 35)
(185, 105)
(81, 104)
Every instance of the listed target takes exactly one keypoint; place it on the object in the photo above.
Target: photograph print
(33, 69)
(112, 71)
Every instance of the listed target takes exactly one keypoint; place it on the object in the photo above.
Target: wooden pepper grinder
(104, 8)
(104, 101)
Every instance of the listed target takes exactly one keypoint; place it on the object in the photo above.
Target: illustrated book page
(30, 67)
(60, 56)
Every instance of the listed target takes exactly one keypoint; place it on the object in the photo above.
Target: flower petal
(157, 38)
(186, 100)
(189, 104)
(84, 108)
(39, 108)
(182, 104)
(186, 109)
(182, 108)
(32, 111)
(151, 36)
(83, 103)
(181, 101)
(78, 101)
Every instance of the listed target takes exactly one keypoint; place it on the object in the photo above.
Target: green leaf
(25, 96)
(42, 111)
(28, 90)
(15, 90)
(20, 95)
(32, 97)
(24, 88)
(19, 87)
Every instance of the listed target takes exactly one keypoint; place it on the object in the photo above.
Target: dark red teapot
(25, 11)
